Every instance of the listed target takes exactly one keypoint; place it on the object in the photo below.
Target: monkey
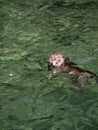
(58, 63)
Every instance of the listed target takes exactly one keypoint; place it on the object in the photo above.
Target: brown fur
(69, 67)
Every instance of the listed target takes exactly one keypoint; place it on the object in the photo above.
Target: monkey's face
(56, 60)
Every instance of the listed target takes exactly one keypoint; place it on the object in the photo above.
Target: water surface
(30, 31)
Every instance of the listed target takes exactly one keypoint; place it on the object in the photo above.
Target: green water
(30, 31)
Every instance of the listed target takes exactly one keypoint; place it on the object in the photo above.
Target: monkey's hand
(50, 76)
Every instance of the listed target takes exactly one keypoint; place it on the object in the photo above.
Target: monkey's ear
(49, 65)
(66, 59)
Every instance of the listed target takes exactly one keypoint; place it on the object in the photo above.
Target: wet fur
(70, 67)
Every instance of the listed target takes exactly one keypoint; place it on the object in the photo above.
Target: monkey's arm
(54, 73)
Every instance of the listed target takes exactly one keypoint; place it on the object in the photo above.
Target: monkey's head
(56, 60)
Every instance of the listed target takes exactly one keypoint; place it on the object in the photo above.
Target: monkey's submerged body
(58, 63)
